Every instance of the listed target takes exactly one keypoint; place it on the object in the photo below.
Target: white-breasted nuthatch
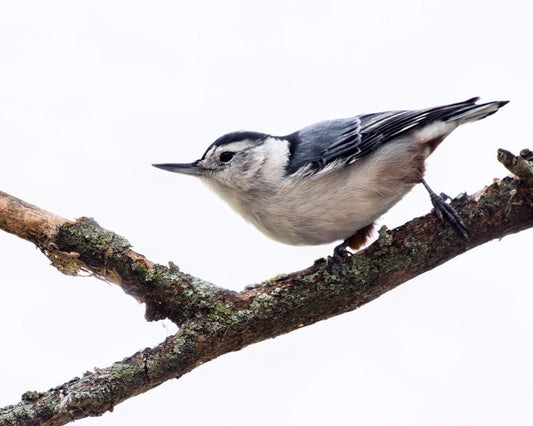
(330, 181)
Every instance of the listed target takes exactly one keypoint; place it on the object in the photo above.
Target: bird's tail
(468, 111)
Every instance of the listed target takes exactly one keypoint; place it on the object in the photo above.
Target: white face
(246, 164)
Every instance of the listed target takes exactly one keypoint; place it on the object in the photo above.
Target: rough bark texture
(214, 321)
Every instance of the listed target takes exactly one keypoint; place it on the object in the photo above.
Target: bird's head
(239, 161)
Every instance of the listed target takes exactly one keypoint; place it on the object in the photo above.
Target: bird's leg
(445, 211)
(340, 251)
(355, 242)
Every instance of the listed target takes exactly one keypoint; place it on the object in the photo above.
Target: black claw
(445, 196)
(340, 252)
(337, 260)
(446, 212)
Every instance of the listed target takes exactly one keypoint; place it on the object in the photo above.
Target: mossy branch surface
(215, 321)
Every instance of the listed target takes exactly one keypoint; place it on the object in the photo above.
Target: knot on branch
(521, 165)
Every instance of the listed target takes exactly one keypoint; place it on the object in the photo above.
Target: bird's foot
(341, 251)
(355, 242)
(445, 211)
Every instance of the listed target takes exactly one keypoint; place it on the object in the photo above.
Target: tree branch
(215, 321)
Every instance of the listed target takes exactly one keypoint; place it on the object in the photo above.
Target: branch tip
(521, 166)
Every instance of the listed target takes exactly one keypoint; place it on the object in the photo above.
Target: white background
(93, 92)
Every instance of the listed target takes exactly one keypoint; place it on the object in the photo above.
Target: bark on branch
(214, 321)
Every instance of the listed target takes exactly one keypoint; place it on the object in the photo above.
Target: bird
(331, 180)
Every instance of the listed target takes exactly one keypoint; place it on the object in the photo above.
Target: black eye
(226, 156)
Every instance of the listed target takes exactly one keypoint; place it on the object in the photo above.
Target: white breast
(332, 205)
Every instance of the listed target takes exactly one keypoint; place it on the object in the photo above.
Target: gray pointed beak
(192, 169)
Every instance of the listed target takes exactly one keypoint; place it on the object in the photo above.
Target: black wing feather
(349, 139)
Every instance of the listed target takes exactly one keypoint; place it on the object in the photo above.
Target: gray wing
(351, 138)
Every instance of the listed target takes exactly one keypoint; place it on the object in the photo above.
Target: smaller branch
(81, 246)
(521, 166)
(28, 221)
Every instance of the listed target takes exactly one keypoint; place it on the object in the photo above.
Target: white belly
(308, 219)
(329, 207)
(333, 204)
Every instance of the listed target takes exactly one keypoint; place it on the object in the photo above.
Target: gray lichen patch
(87, 236)
(384, 236)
